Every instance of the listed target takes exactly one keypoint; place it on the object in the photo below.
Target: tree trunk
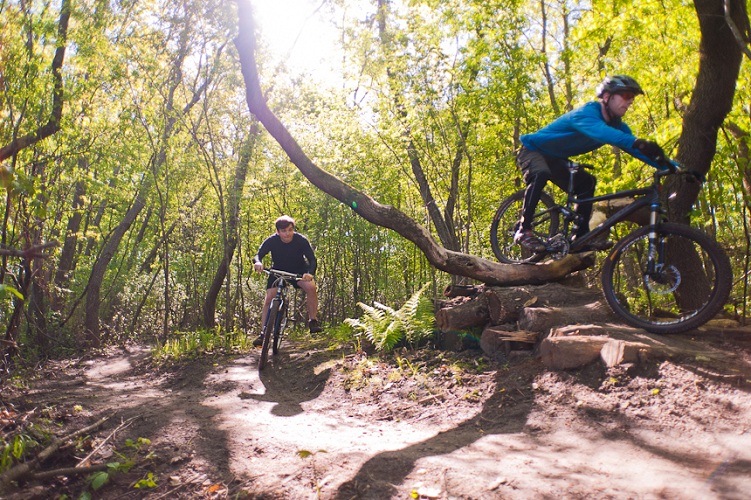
(94, 287)
(68, 253)
(230, 233)
(720, 58)
(712, 99)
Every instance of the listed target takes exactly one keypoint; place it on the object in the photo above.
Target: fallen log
(497, 339)
(469, 314)
(461, 290)
(543, 319)
(616, 352)
(505, 304)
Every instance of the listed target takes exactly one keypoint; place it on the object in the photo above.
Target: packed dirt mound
(327, 423)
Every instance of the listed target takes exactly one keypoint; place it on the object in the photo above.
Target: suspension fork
(278, 298)
(655, 253)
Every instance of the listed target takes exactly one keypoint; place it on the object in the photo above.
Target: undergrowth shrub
(386, 327)
(187, 345)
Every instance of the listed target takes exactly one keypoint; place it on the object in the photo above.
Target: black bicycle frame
(648, 197)
(281, 296)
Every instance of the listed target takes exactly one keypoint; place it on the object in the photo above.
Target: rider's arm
(588, 120)
(310, 256)
(262, 252)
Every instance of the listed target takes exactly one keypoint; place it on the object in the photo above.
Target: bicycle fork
(275, 300)
(655, 252)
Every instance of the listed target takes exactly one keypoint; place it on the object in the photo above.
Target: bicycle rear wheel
(279, 329)
(689, 284)
(506, 221)
(269, 331)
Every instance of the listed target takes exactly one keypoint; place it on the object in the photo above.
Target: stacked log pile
(518, 314)
(568, 326)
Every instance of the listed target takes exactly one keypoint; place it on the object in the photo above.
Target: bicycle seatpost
(573, 167)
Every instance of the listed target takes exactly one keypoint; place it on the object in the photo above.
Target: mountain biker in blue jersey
(290, 252)
(544, 154)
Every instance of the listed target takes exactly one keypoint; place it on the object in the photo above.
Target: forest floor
(335, 424)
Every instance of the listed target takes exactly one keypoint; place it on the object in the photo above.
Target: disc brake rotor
(663, 281)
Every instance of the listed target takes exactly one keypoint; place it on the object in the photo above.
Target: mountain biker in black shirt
(290, 252)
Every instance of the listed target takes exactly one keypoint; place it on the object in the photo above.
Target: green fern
(386, 327)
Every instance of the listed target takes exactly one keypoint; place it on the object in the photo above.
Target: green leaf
(99, 479)
(7, 289)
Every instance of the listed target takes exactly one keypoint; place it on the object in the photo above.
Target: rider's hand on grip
(649, 149)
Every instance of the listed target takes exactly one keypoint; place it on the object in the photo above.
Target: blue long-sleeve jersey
(581, 131)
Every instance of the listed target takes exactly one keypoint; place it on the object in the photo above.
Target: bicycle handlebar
(669, 167)
(283, 274)
(673, 167)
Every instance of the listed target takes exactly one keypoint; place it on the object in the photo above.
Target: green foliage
(134, 452)
(148, 482)
(190, 345)
(17, 449)
(450, 84)
(386, 327)
(7, 291)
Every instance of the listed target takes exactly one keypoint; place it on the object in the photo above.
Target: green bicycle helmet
(618, 83)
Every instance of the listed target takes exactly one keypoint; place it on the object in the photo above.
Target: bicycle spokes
(673, 283)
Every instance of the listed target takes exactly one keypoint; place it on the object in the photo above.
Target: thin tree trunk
(67, 256)
(230, 232)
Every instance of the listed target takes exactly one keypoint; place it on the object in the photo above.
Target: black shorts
(271, 279)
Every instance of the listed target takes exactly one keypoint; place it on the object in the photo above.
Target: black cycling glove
(649, 149)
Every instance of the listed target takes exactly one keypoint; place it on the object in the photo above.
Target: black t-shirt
(294, 257)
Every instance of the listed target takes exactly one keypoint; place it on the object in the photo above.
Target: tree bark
(67, 256)
(720, 58)
(230, 233)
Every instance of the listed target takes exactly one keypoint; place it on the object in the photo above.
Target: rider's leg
(536, 174)
(311, 299)
(584, 187)
(270, 294)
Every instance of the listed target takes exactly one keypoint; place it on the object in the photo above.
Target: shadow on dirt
(289, 384)
(505, 412)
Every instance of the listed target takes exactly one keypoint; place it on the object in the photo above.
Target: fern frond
(386, 327)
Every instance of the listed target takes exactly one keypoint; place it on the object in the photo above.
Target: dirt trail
(319, 424)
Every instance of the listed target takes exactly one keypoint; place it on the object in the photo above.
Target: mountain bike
(662, 277)
(276, 319)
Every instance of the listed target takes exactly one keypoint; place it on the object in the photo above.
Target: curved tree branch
(369, 209)
(739, 37)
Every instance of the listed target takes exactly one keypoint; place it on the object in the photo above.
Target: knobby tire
(691, 289)
(506, 221)
(279, 329)
(270, 329)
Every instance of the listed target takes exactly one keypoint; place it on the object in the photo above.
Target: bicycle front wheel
(279, 330)
(269, 332)
(506, 221)
(681, 286)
